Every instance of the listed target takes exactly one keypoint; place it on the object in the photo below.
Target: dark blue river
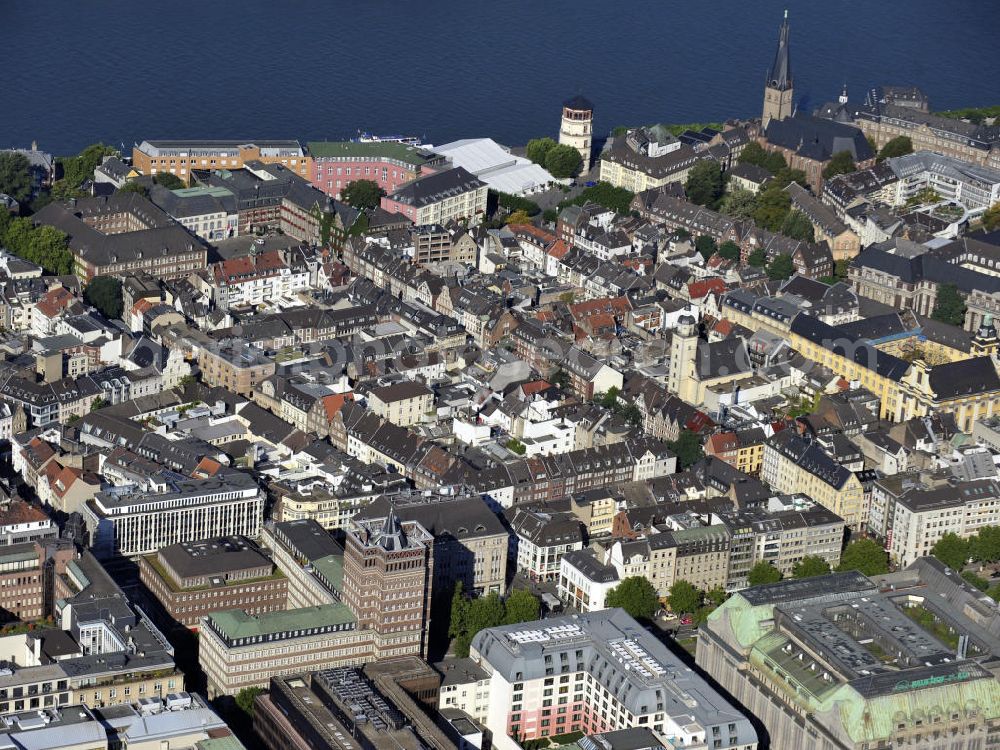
(78, 71)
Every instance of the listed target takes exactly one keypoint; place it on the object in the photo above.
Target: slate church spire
(778, 92)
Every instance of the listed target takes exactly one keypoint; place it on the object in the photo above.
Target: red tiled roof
(535, 386)
(54, 301)
(722, 442)
(142, 305)
(248, 268)
(335, 402)
(207, 467)
(600, 306)
(723, 326)
(64, 479)
(558, 249)
(698, 289)
(545, 238)
(18, 512)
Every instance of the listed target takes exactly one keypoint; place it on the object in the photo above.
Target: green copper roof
(332, 568)
(218, 192)
(796, 676)
(220, 743)
(868, 708)
(744, 618)
(235, 623)
(876, 718)
(350, 149)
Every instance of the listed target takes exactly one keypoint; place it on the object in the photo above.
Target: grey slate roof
(434, 188)
(609, 644)
(163, 235)
(818, 139)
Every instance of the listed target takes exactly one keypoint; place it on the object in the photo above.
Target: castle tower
(778, 93)
(683, 350)
(577, 127)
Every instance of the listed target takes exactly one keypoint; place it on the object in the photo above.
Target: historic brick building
(388, 570)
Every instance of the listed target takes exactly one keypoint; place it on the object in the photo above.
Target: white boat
(409, 140)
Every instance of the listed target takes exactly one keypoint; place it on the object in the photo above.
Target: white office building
(140, 519)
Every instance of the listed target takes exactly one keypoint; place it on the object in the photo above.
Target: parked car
(687, 620)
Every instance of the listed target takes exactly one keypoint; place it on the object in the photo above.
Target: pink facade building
(439, 197)
(336, 164)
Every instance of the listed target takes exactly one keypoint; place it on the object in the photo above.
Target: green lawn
(929, 622)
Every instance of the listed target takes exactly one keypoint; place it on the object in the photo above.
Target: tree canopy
(688, 448)
(739, 204)
(245, 699)
(515, 203)
(841, 162)
(362, 194)
(991, 217)
(44, 245)
(604, 194)
(949, 306)
(609, 398)
(538, 148)
(105, 293)
(518, 217)
(716, 596)
(798, 226)
(636, 596)
(763, 572)
(866, 556)
(468, 617)
(169, 181)
(705, 245)
(758, 258)
(563, 161)
(704, 183)
(952, 550)
(684, 597)
(77, 169)
(773, 205)
(134, 186)
(459, 611)
(901, 145)
(729, 250)
(15, 175)
(810, 566)
(781, 267)
(754, 153)
(521, 606)
(786, 177)
(985, 545)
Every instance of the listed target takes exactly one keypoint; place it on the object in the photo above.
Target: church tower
(683, 352)
(986, 342)
(778, 93)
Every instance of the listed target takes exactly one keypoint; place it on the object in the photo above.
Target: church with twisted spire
(778, 92)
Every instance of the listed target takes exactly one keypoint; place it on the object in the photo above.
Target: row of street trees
(981, 547)
(637, 596)
(469, 616)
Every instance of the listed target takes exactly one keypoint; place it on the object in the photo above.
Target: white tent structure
(495, 165)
